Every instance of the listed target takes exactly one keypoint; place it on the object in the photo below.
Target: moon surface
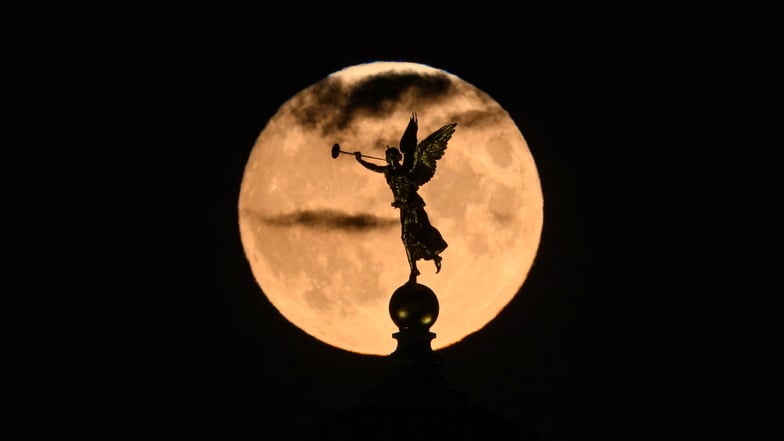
(322, 239)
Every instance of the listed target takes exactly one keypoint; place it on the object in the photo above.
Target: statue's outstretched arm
(368, 165)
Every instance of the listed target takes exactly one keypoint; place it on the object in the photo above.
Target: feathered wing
(408, 142)
(429, 151)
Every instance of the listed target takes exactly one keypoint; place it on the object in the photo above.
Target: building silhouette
(413, 401)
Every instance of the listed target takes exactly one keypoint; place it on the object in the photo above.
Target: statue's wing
(430, 150)
(408, 142)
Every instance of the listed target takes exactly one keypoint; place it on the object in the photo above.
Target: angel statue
(420, 239)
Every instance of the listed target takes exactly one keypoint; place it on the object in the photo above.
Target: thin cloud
(479, 118)
(331, 220)
(332, 105)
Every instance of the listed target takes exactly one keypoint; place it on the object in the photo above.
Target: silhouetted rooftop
(413, 401)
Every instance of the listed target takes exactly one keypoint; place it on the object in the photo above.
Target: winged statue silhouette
(420, 239)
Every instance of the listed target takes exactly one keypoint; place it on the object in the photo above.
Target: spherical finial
(413, 306)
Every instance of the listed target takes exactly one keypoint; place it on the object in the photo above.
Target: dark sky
(651, 311)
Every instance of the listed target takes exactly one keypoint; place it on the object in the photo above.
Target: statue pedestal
(414, 366)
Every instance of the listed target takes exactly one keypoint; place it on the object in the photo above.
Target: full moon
(323, 241)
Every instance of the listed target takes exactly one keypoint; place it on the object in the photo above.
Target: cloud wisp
(331, 220)
(333, 105)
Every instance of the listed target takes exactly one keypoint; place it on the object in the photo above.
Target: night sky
(651, 312)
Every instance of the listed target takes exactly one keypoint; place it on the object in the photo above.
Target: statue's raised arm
(369, 165)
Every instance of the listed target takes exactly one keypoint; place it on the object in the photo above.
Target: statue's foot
(437, 260)
(412, 277)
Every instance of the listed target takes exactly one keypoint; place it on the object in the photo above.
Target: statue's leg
(408, 243)
(411, 263)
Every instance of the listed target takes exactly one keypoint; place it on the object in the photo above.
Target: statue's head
(393, 155)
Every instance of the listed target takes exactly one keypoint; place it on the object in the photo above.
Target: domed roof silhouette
(413, 401)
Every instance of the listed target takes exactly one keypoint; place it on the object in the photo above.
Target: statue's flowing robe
(422, 240)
